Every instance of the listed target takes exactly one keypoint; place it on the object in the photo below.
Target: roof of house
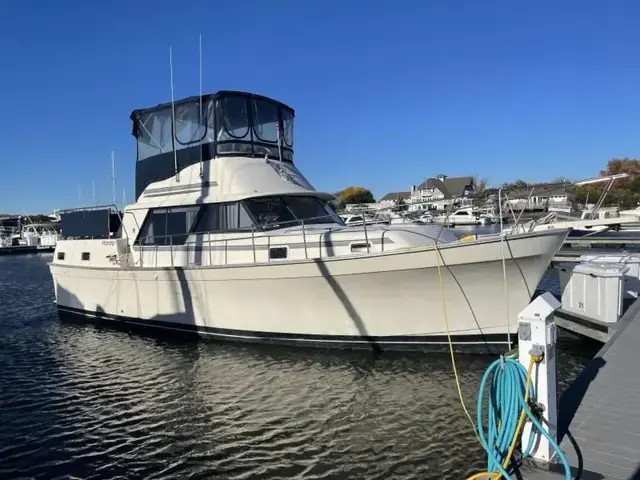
(396, 196)
(450, 186)
(548, 189)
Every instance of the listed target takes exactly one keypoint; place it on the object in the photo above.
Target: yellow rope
(453, 357)
(490, 475)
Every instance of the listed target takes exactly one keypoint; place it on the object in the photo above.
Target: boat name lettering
(109, 243)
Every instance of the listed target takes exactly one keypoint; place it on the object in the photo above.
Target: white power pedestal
(537, 333)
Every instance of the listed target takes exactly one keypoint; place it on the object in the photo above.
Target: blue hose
(506, 400)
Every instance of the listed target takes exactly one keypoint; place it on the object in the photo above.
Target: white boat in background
(426, 218)
(491, 214)
(23, 232)
(358, 220)
(40, 235)
(632, 213)
(592, 220)
(55, 216)
(227, 239)
(462, 216)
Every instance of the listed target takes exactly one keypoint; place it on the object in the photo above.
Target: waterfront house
(552, 197)
(437, 193)
(394, 199)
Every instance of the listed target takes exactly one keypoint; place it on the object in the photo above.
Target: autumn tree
(624, 192)
(355, 195)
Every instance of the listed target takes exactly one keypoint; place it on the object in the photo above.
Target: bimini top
(226, 123)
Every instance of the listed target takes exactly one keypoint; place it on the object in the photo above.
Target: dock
(18, 250)
(598, 417)
(573, 254)
(601, 244)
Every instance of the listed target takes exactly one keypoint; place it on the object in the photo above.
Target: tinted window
(209, 220)
(308, 209)
(265, 120)
(168, 226)
(223, 217)
(236, 217)
(270, 212)
(232, 118)
(279, 212)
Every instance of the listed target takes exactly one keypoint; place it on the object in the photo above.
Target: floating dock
(598, 417)
(599, 243)
(19, 250)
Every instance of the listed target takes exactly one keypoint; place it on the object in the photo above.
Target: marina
(150, 267)
(230, 242)
(227, 240)
(406, 247)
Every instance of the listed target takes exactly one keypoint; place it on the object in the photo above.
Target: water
(80, 401)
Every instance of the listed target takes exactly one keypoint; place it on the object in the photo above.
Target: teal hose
(506, 400)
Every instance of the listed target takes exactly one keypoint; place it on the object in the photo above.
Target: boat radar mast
(226, 123)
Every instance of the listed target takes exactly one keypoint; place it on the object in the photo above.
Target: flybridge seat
(225, 123)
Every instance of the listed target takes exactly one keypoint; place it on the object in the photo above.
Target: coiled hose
(511, 387)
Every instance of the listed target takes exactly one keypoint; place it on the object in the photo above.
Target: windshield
(279, 212)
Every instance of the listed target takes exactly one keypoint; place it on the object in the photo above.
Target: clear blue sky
(386, 92)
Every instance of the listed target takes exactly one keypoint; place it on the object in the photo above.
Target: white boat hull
(457, 221)
(596, 225)
(389, 300)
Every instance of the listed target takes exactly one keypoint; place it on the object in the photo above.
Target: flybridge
(171, 137)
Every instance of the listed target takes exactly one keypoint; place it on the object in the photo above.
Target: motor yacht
(462, 216)
(227, 239)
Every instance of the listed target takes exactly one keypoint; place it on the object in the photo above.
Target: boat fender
(468, 238)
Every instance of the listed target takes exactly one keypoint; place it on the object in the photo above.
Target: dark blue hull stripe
(489, 343)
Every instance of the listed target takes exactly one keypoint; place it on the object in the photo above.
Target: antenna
(79, 194)
(113, 175)
(173, 120)
(200, 90)
(124, 198)
(93, 190)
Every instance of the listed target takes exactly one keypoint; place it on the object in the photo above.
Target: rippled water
(81, 401)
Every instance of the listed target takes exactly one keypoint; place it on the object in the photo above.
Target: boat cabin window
(225, 123)
(223, 217)
(168, 226)
(172, 226)
(280, 212)
(463, 212)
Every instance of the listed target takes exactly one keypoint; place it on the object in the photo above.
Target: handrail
(366, 236)
(304, 239)
(252, 236)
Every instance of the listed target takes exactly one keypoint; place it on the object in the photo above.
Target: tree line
(624, 192)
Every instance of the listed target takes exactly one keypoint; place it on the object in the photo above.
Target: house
(437, 193)
(394, 198)
(552, 197)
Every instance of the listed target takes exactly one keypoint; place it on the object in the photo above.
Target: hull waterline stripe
(397, 340)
